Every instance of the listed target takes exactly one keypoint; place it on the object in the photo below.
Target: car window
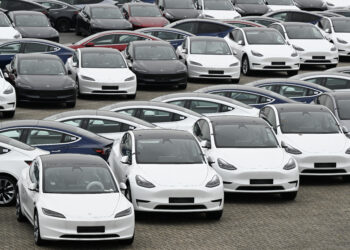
(103, 40)
(153, 115)
(10, 49)
(204, 107)
(53, 6)
(280, 16)
(239, 36)
(43, 137)
(34, 172)
(126, 146)
(125, 38)
(14, 133)
(270, 116)
(337, 83)
(206, 27)
(74, 122)
(318, 80)
(246, 98)
(280, 30)
(293, 91)
(329, 104)
(131, 112)
(180, 103)
(4, 150)
(38, 48)
(168, 36)
(201, 130)
(190, 27)
(104, 126)
(325, 24)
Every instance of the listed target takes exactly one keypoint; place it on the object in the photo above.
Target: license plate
(181, 200)
(261, 181)
(278, 63)
(325, 165)
(216, 72)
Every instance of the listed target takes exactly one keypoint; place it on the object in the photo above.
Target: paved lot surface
(318, 219)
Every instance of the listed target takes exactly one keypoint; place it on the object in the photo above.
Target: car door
(268, 114)
(8, 51)
(107, 128)
(298, 93)
(249, 98)
(30, 196)
(50, 140)
(201, 130)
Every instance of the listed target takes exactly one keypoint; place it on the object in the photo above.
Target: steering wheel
(95, 186)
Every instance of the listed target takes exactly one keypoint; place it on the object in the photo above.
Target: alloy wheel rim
(7, 191)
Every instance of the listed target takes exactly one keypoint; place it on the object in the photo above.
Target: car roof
(340, 95)
(150, 42)
(235, 119)
(93, 49)
(165, 29)
(318, 74)
(151, 104)
(56, 1)
(163, 133)
(37, 56)
(296, 24)
(197, 20)
(36, 40)
(256, 29)
(93, 112)
(339, 18)
(300, 107)
(206, 38)
(69, 160)
(26, 12)
(258, 17)
(139, 4)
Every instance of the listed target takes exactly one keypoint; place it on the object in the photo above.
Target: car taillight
(104, 152)
(28, 162)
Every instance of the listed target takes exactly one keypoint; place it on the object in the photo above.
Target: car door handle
(55, 151)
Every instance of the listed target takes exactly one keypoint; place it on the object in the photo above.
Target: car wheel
(235, 80)
(133, 96)
(8, 114)
(182, 86)
(71, 104)
(331, 66)
(214, 215)
(289, 196)
(63, 25)
(37, 237)
(245, 66)
(128, 241)
(292, 72)
(19, 215)
(7, 190)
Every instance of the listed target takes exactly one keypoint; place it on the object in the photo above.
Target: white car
(73, 197)
(164, 115)
(331, 80)
(14, 157)
(101, 71)
(108, 124)
(338, 3)
(275, 5)
(217, 9)
(312, 47)
(337, 31)
(313, 136)
(245, 152)
(165, 171)
(263, 49)
(208, 104)
(7, 98)
(209, 57)
(7, 31)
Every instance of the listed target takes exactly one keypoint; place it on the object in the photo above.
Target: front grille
(317, 61)
(216, 76)
(90, 236)
(181, 200)
(323, 171)
(260, 188)
(319, 57)
(98, 229)
(325, 165)
(261, 181)
(110, 87)
(215, 72)
(277, 67)
(278, 63)
(168, 78)
(180, 207)
(109, 92)
(47, 94)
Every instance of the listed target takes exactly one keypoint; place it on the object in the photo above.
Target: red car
(144, 15)
(242, 24)
(117, 39)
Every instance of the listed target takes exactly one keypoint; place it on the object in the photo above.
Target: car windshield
(250, 2)
(210, 48)
(41, 67)
(218, 5)
(106, 13)
(31, 20)
(78, 179)
(264, 37)
(280, 2)
(145, 11)
(154, 52)
(179, 4)
(303, 32)
(168, 149)
(312, 122)
(102, 60)
(344, 109)
(341, 26)
(244, 136)
(4, 22)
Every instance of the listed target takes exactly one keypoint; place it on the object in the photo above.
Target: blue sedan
(174, 36)
(57, 137)
(300, 91)
(253, 96)
(9, 48)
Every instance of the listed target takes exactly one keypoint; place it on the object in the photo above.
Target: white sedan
(165, 171)
(217, 9)
(263, 49)
(14, 157)
(7, 31)
(209, 57)
(313, 136)
(7, 98)
(246, 154)
(101, 71)
(70, 197)
(312, 47)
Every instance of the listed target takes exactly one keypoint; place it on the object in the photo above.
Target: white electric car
(7, 98)
(7, 31)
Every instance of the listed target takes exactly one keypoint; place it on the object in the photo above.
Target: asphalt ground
(319, 218)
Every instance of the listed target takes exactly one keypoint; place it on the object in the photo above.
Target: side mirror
(123, 186)
(199, 7)
(284, 145)
(240, 42)
(184, 51)
(345, 130)
(205, 144)
(125, 160)
(6, 75)
(33, 187)
(89, 45)
(328, 31)
(210, 160)
(74, 64)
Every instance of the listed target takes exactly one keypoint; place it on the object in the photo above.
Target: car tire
(182, 86)
(8, 114)
(63, 25)
(235, 80)
(19, 215)
(346, 178)
(7, 190)
(216, 215)
(37, 237)
(128, 241)
(246, 66)
(127, 193)
(292, 72)
(330, 66)
(289, 196)
(71, 104)
(132, 96)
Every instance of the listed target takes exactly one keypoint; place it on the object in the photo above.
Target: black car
(156, 63)
(33, 24)
(175, 10)
(250, 7)
(311, 4)
(262, 20)
(62, 15)
(13, 5)
(41, 78)
(294, 16)
(100, 17)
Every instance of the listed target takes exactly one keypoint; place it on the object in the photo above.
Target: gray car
(331, 80)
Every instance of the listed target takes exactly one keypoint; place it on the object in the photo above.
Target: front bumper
(161, 80)
(322, 58)
(41, 96)
(274, 63)
(98, 88)
(343, 49)
(8, 102)
(214, 73)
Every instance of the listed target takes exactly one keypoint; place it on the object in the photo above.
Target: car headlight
(291, 150)
(123, 213)
(17, 36)
(225, 165)
(131, 78)
(51, 213)
(214, 182)
(290, 165)
(341, 41)
(8, 90)
(86, 78)
(333, 48)
(142, 182)
(254, 53)
(297, 48)
(234, 64)
(294, 54)
(195, 63)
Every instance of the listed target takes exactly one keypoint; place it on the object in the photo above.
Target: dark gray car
(250, 7)
(175, 10)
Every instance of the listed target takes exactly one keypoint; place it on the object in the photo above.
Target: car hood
(159, 67)
(46, 82)
(107, 75)
(111, 23)
(343, 36)
(7, 32)
(310, 45)
(273, 50)
(213, 61)
(254, 158)
(149, 21)
(222, 14)
(253, 8)
(37, 32)
(310, 3)
(3, 85)
(88, 206)
(183, 13)
(316, 143)
(173, 175)
(283, 7)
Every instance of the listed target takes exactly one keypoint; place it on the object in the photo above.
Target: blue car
(296, 90)
(202, 27)
(9, 48)
(253, 96)
(57, 137)
(174, 36)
